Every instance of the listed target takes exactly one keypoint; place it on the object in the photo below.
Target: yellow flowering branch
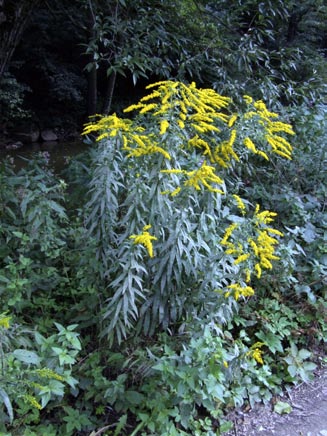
(271, 130)
(200, 107)
(258, 251)
(204, 176)
(29, 399)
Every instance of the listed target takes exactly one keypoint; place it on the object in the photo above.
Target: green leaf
(7, 402)
(309, 366)
(121, 424)
(292, 370)
(26, 356)
(304, 354)
(272, 341)
(309, 234)
(134, 397)
(71, 381)
(282, 408)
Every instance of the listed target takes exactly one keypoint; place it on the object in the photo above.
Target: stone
(48, 135)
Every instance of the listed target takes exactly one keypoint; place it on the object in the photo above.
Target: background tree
(14, 17)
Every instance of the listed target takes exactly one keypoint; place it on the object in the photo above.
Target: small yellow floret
(163, 127)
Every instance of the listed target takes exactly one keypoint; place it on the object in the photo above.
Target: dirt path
(307, 418)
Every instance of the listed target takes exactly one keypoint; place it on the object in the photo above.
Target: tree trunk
(109, 93)
(92, 91)
(92, 80)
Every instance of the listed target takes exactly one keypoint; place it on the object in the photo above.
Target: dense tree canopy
(82, 56)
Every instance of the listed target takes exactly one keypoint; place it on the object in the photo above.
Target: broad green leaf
(26, 356)
(134, 397)
(304, 354)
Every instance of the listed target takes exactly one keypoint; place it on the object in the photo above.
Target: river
(59, 152)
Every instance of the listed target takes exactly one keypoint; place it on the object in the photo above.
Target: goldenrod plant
(167, 168)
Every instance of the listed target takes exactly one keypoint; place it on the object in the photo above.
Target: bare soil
(307, 418)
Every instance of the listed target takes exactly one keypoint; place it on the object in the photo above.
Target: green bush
(34, 370)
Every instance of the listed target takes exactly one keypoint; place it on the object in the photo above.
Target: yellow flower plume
(145, 239)
(272, 129)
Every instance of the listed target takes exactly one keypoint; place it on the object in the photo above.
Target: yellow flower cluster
(110, 126)
(264, 246)
(29, 399)
(250, 145)
(144, 145)
(240, 203)
(256, 352)
(49, 374)
(145, 239)
(272, 129)
(133, 138)
(203, 112)
(238, 291)
(5, 321)
(205, 176)
(221, 153)
(258, 251)
(224, 151)
(200, 107)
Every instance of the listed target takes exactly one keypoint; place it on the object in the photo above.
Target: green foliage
(271, 42)
(299, 199)
(297, 365)
(281, 408)
(183, 384)
(32, 234)
(33, 373)
(12, 99)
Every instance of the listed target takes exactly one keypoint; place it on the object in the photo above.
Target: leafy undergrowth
(175, 272)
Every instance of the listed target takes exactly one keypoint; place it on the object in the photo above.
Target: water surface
(59, 153)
